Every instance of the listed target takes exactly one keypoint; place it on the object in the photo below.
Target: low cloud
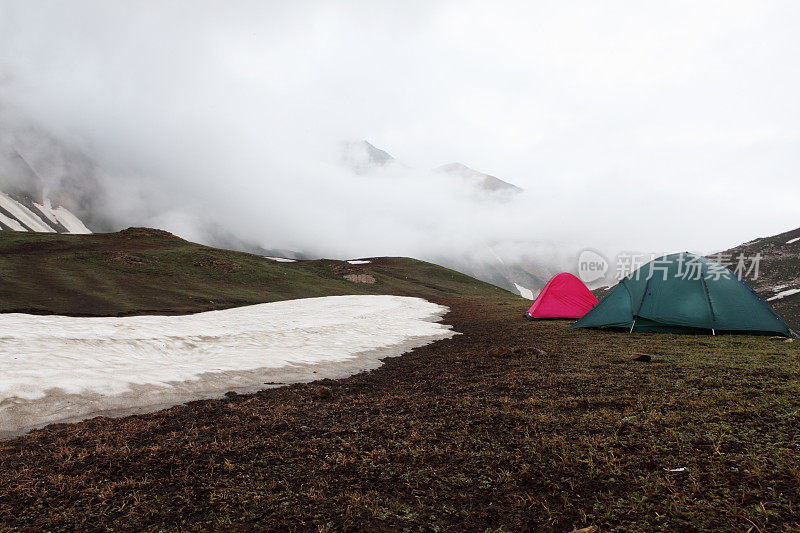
(628, 127)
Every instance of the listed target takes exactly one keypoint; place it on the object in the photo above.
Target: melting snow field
(57, 368)
(281, 259)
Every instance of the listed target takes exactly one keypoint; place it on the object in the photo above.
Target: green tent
(684, 293)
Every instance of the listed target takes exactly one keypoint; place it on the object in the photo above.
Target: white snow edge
(783, 294)
(524, 292)
(11, 223)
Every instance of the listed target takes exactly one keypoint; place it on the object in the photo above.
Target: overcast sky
(654, 126)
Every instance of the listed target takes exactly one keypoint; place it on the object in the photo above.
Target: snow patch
(23, 214)
(61, 215)
(793, 240)
(11, 223)
(525, 293)
(46, 209)
(62, 368)
(281, 259)
(70, 221)
(783, 294)
(358, 262)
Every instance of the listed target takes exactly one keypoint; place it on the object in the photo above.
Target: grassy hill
(150, 271)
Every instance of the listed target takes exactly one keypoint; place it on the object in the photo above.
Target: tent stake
(633, 325)
(713, 332)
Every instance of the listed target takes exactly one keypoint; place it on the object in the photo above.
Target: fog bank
(629, 127)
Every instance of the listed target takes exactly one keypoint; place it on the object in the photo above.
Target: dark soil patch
(220, 265)
(360, 278)
(122, 257)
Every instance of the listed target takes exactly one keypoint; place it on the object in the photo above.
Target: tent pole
(710, 307)
(641, 303)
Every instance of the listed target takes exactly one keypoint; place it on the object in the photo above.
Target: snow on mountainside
(21, 213)
(778, 278)
(45, 185)
(779, 267)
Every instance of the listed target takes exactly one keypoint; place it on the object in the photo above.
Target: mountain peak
(363, 156)
(480, 179)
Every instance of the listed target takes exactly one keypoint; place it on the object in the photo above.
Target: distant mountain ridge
(49, 186)
(478, 179)
(363, 158)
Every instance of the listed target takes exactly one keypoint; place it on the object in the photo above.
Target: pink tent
(564, 296)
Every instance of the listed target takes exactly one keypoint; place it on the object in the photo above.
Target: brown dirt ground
(511, 425)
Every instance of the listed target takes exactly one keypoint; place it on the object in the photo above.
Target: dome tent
(684, 293)
(564, 296)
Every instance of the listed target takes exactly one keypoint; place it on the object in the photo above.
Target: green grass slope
(150, 271)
